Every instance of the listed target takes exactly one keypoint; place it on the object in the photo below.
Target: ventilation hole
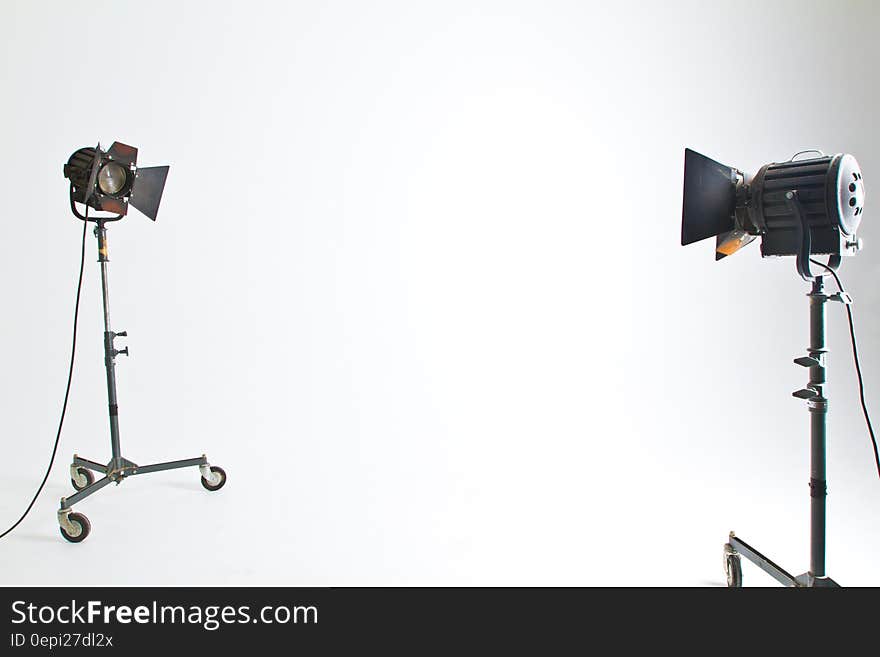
(852, 202)
(855, 176)
(852, 187)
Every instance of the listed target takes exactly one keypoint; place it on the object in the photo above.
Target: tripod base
(75, 526)
(737, 547)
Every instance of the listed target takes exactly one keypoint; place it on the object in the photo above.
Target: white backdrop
(416, 285)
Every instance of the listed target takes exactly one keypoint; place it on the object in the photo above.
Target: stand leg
(739, 546)
(171, 465)
(67, 502)
(91, 465)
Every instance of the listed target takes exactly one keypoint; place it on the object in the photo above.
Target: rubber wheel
(90, 478)
(733, 566)
(83, 522)
(220, 471)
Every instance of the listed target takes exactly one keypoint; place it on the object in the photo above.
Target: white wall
(416, 284)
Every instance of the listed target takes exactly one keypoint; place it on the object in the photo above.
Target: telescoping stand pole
(818, 406)
(75, 526)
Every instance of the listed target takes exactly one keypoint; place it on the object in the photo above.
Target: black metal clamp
(112, 351)
(805, 240)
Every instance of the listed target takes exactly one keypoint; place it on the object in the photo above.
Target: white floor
(292, 526)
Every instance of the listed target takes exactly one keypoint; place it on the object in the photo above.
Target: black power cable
(82, 263)
(852, 335)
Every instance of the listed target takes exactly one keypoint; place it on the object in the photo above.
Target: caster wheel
(82, 478)
(733, 568)
(82, 527)
(216, 470)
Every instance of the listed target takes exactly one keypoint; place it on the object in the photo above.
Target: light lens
(850, 195)
(111, 178)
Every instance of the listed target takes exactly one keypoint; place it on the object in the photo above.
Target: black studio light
(110, 180)
(802, 208)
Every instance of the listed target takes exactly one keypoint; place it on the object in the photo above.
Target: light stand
(818, 406)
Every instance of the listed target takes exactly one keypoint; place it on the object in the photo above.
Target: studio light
(110, 181)
(799, 208)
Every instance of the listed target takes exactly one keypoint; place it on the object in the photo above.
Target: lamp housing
(109, 181)
(800, 207)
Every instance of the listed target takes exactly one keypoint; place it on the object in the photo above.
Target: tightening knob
(122, 351)
(806, 393)
(121, 334)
